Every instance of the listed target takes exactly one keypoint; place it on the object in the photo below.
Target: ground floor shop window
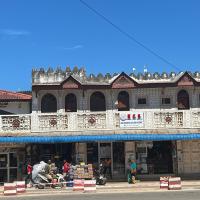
(154, 157)
(54, 152)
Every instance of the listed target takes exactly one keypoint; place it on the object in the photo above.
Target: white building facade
(153, 118)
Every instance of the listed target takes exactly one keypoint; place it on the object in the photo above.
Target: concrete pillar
(81, 152)
(130, 152)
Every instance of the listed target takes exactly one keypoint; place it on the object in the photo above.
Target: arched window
(70, 103)
(183, 100)
(123, 101)
(97, 102)
(48, 103)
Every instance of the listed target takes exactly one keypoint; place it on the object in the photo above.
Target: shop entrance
(54, 152)
(111, 154)
(8, 167)
(155, 157)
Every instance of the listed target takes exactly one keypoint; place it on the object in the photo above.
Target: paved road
(168, 195)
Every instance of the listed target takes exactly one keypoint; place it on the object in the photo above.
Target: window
(142, 101)
(183, 100)
(48, 104)
(166, 101)
(123, 101)
(97, 102)
(70, 103)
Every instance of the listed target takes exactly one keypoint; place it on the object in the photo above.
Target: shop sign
(131, 120)
(11, 145)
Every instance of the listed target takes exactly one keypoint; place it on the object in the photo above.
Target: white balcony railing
(91, 121)
(52, 122)
(168, 119)
(195, 119)
(81, 121)
(15, 123)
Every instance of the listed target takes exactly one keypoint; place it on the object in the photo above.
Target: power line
(129, 35)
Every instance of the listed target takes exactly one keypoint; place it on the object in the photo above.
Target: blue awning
(90, 138)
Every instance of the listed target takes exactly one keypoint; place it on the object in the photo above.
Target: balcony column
(60, 102)
(35, 111)
(109, 110)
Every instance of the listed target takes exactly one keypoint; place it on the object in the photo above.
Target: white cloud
(74, 47)
(12, 32)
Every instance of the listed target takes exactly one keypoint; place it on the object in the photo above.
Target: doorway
(8, 167)
(155, 157)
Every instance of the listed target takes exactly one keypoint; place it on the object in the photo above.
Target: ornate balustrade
(168, 120)
(45, 122)
(52, 122)
(91, 121)
(15, 123)
(195, 119)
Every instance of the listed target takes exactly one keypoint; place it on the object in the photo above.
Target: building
(153, 118)
(15, 109)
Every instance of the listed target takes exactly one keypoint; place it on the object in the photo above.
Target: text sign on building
(131, 120)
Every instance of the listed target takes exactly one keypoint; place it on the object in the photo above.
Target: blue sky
(43, 33)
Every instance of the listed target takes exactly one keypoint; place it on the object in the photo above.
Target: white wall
(17, 107)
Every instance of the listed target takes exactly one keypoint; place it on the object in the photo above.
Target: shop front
(11, 162)
(111, 155)
(152, 157)
(56, 152)
(156, 157)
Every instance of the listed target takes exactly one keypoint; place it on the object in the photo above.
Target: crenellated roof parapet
(56, 76)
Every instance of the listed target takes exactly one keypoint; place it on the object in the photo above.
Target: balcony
(15, 123)
(71, 123)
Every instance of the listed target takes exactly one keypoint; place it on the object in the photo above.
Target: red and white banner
(131, 120)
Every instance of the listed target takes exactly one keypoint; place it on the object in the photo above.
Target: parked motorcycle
(100, 176)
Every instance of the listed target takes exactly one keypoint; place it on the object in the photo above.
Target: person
(133, 169)
(29, 170)
(107, 167)
(65, 168)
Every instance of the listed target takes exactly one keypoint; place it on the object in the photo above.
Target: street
(166, 195)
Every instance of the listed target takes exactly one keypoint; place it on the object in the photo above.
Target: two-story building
(154, 118)
(15, 109)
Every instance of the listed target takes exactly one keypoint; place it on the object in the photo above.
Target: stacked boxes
(83, 171)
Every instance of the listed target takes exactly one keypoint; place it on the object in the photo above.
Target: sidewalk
(140, 186)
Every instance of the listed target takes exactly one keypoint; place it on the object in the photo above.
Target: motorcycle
(100, 176)
(42, 177)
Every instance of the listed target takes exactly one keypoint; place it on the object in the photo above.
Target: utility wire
(129, 35)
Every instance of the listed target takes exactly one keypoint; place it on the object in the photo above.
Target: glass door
(8, 167)
(105, 157)
(12, 174)
(118, 160)
(3, 168)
